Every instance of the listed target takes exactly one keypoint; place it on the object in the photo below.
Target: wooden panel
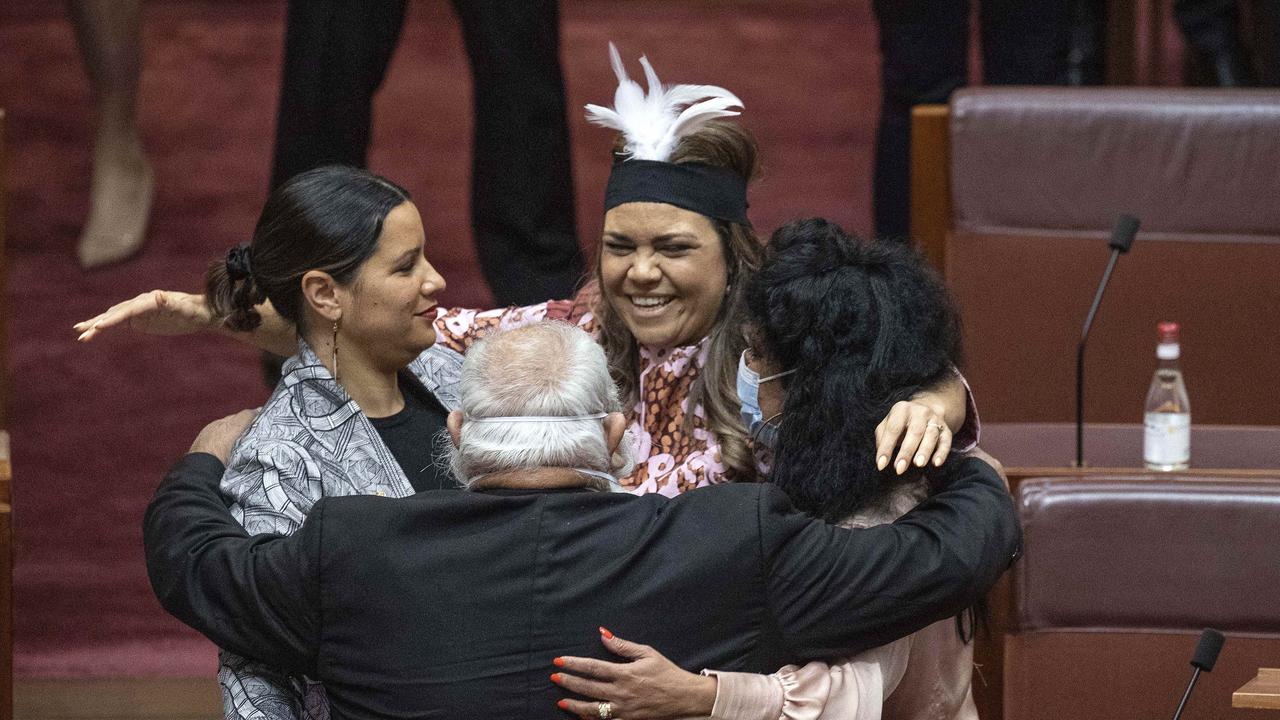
(1261, 692)
(1050, 445)
(1024, 299)
(6, 471)
(119, 699)
(1121, 42)
(1127, 676)
(6, 584)
(931, 180)
(4, 292)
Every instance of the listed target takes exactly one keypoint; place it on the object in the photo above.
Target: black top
(412, 433)
(453, 603)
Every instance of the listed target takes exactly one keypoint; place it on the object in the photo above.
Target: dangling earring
(335, 350)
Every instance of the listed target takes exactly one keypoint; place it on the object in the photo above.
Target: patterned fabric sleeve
(273, 484)
(253, 691)
(458, 328)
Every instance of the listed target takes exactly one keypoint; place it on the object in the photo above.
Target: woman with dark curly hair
(859, 326)
(839, 330)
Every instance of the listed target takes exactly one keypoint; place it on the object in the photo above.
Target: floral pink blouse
(669, 460)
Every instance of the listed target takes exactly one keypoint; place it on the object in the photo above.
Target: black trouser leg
(335, 55)
(924, 50)
(522, 203)
(1212, 29)
(1086, 59)
(1025, 42)
(1267, 19)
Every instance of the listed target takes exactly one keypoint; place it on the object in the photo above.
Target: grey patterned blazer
(310, 441)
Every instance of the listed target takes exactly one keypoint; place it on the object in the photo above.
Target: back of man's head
(534, 397)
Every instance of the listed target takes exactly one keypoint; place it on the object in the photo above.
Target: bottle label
(1167, 440)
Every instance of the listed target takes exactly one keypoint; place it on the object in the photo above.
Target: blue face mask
(764, 433)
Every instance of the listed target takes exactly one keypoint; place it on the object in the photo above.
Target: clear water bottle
(1167, 440)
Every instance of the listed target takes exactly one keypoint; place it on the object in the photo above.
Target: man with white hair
(534, 404)
(454, 603)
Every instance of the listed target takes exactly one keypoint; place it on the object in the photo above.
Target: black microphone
(1126, 228)
(1206, 655)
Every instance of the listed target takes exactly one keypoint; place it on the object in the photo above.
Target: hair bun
(238, 267)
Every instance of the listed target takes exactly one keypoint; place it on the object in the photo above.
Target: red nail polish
(555, 677)
(558, 662)
(605, 632)
(562, 704)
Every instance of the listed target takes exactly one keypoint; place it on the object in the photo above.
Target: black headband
(705, 189)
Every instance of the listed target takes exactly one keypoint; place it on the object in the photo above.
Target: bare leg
(109, 33)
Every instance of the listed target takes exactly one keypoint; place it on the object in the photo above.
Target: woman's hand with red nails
(647, 687)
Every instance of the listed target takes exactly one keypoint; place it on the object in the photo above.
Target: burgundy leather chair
(1014, 191)
(1119, 576)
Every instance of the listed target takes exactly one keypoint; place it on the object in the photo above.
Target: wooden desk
(1262, 692)
(6, 583)
(1052, 446)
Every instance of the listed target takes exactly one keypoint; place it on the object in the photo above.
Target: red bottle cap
(1168, 332)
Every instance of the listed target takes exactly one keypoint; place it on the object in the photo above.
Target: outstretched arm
(169, 312)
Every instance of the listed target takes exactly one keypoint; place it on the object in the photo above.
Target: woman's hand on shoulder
(159, 312)
(982, 455)
(647, 687)
(218, 437)
(918, 429)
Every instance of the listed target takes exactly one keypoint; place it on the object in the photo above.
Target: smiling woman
(672, 278)
(668, 287)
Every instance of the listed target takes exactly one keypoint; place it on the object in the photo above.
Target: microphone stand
(1195, 675)
(1084, 338)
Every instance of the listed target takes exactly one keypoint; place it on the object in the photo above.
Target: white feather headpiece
(653, 123)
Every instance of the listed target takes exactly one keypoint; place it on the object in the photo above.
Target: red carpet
(94, 427)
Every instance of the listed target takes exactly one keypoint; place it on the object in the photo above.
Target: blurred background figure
(1218, 55)
(109, 36)
(924, 49)
(522, 209)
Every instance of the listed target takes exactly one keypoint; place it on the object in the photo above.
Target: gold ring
(606, 710)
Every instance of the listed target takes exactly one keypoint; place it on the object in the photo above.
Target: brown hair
(730, 146)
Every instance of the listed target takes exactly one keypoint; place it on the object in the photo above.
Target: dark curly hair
(864, 325)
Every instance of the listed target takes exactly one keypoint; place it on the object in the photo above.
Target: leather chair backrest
(1119, 576)
(1038, 176)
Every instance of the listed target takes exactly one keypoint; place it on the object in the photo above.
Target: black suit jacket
(453, 603)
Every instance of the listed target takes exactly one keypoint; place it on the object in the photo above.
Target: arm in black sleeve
(255, 595)
(835, 591)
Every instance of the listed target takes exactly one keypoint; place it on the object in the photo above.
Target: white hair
(550, 369)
